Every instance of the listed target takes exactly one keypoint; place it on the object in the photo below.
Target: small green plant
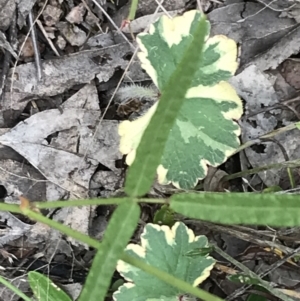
(182, 43)
(164, 216)
(203, 132)
(165, 248)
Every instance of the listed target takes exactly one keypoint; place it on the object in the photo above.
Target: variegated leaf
(167, 249)
(205, 131)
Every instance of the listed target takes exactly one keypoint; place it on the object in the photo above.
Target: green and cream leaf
(205, 131)
(167, 249)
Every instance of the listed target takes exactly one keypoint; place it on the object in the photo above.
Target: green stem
(291, 177)
(11, 208)
(62, 228)
(14, 289)
(133, 8)
(88, 202)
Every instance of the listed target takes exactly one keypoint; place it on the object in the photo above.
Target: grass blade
(119, 230)
(13, 288)
(44, 289)
(239, 208)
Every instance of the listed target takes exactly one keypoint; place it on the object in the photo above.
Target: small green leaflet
(205, 131)
(164, 216)
(44, 289)
(165, 248)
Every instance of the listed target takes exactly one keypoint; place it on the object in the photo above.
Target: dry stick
(5, 70)
(42, 29)
(286, 158)
(249, 237)
(8, 55)
(267, 136)
(253, 15)
(20, 51)
(113, 23)
(249, 143)
(281, 105)
(268, 5)
(274, 266)
(199, 5)
(92, 14)
(287, 164)
(280, 262)
(264, 138)
(37, 57)
(251, 274)
(162, 8)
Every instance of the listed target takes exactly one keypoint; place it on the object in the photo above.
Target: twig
(280, 262)
(92, 14)
(286, 164)
(37, 57)
(162, 8)
(275, 9)
(265, 6)
(113, 23)
(241, 235)
(39, 23)
(20, 51)
(4, 44)
(267, 136)
(282, 103)
(199, 6)
(274, 266)
(251, 274)
(5, 70)
(7, 56)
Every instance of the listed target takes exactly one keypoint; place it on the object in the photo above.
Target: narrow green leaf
(13, 288)
(119, 231)
(44, 289)
(239, 208)
(149, 152)
(62, 228)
